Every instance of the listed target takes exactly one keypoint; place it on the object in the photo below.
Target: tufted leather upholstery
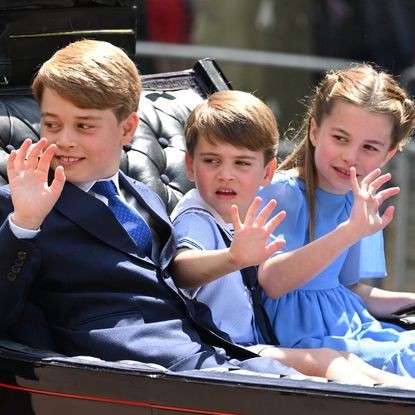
(156, 157)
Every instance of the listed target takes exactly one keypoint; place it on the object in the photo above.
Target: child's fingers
(275, 221)
(386, 194)
(387, 216)
(353, 181)
(263, 216)
(376, 184)
(275, 246)
(44, 160)
(10, 163)
(33, 154)
(58, 180)
(236, 220)
(252, 211)
(21, 154)
(366, 181)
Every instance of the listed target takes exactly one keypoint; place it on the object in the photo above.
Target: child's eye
(84, 126)
(243, 163)
(210, 160)
(50, 125)
(339, 138)
(370, 148)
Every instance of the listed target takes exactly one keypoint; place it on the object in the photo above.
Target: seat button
(163, 142)
(164, 179)
(11, 276)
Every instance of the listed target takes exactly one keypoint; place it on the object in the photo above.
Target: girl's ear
(129, 127)
(313, 131)
(388, 156)
(269, 171)
(189, 166)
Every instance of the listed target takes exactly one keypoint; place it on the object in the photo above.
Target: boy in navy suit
(63, 250)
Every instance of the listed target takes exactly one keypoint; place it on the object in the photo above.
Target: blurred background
(278, 50)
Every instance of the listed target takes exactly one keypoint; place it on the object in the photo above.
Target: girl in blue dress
(357, 120)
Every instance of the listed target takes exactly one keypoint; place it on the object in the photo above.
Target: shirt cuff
(21, 233)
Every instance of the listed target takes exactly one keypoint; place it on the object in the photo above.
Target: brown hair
(92, 74)
(361, 85)
(235, 117)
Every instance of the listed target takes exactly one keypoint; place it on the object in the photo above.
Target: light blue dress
(324, 312)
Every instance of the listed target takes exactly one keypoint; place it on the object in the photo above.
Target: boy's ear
(189, 166)
(129, 127)
(269, 171)
(389, 155)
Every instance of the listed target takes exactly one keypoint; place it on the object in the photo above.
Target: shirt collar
(86, 186)
(192, 200)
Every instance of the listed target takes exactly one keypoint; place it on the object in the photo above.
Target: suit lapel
(94, 217)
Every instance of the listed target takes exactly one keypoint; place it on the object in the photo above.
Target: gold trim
(76, 32)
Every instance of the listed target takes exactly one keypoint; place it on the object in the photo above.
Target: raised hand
(367, 201)
(250, 245)
(27, 170)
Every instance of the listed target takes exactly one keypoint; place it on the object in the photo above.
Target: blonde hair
(360, 85)
(235, 117)
(92, 74)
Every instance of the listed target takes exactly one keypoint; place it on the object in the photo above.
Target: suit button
(11, 276)
(16, 269)
(21, 255)
(19, 262)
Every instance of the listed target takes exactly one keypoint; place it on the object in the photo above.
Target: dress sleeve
(365, 259)
(290, 197)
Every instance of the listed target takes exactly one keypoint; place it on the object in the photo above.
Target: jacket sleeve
(19, 264)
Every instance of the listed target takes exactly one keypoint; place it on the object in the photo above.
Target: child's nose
(225, 172)
(350, 156)
(65, 138)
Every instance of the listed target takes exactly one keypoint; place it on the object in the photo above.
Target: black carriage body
(31, 383)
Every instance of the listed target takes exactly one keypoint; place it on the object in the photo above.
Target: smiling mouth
(344, 172)
(64, 159)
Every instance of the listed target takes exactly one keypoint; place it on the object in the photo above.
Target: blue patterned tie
(129, 218)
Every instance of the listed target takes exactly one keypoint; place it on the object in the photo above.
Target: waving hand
(27, 170)
(368, 200)
(250, 245)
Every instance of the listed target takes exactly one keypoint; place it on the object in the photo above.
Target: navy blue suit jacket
(100, 295)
